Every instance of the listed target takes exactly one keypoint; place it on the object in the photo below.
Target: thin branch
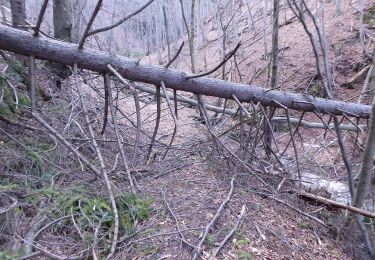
(337, 204)
(157, 123)
(106, 103)
(11, 122)
(225, 60)
(6, 209)
(317, 125)
(175, 56)
(183, 239)
(107, 81)
(217, 141)
(37, 234)
(241, 106)
(89, 24)
(173, 116)
(40, 18)
(213, 220)
(137, 107)
(230, 234)
(50, 128)
(184, 99)
(109, 27)
(102, 166)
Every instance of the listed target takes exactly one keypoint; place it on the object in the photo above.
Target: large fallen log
(48, 49)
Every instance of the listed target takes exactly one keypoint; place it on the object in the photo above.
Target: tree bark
(166, 25)
(66, 53)
(17, 8)
(62, 23)
(274, 70)
(18, 14)
(62, 19)
(367, 169)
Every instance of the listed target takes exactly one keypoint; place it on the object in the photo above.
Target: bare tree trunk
(361, 25)
(62, 20)
(275, 44)
(190, 31)
(78, 7)
(166, 24)
(17, 8)
(364, 177)
(63, 23)
(192, 35)
(265, 9)
(18, 14)
(338, 7)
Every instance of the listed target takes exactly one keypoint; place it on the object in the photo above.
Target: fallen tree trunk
(337, 204)
(66, 53)
(233, 112)
(318, 125)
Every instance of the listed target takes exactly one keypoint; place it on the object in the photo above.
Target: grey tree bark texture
(273, 68)
(62, 24)
(18, 14)
(17, 8)
(66, 53)
(63, 19)
(366, 172)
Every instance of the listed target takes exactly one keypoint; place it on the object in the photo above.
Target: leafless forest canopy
(187, 129)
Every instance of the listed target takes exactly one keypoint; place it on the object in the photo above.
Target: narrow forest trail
(190, 184)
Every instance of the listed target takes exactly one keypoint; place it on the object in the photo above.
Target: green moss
(36, 158)
(244, 255)
(7, 103)
(242, 242)
(303, 224)
(130, 208)
(317, 91)
(7, 187)
(24, 100)
(326, 216)
(17, 71)
(149, 250)
(6, 111)
(210, 240)
(369, 15)
(6, 255)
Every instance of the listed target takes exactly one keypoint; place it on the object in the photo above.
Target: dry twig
(40, 18)
(213, 220)
(130, 178)
(230, 234)
(173, 116)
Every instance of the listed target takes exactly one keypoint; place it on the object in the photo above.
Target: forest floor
(186, 189)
